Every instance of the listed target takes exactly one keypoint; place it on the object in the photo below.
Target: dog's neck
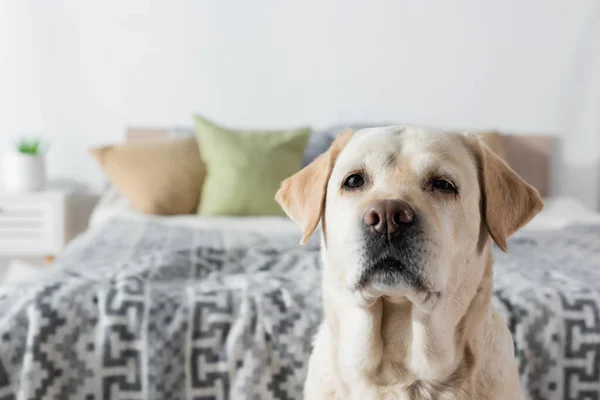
(396, 342)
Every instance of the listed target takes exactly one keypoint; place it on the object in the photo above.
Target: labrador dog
(408, 216)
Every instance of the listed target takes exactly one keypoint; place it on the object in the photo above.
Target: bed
(185, 307)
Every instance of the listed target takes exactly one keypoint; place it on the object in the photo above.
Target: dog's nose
(389, 216)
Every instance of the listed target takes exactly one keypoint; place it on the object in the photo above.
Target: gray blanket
(142, 310)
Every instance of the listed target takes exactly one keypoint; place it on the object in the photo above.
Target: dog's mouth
(391, 271)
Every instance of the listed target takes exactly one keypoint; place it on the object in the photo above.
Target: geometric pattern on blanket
(548, 289)
(174, 314)
(145, 310)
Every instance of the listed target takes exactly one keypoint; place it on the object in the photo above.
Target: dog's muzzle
(393, 241)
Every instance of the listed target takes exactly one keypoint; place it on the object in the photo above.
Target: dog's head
(402, 208)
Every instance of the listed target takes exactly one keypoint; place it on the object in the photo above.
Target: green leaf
(33, 147)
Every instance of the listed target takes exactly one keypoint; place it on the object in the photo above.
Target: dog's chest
(395, 362)
(394, 381)
(416, 391)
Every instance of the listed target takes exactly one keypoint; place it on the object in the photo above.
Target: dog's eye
(443, 185)
(354, 181)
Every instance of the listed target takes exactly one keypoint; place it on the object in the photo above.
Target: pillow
(162, 177)
(494, 141)
(245, 168)
(318, 142)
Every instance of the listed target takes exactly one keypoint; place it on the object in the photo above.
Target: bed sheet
(112, 205)
(559, 212)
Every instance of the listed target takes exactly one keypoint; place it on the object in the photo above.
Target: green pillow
(244, 169)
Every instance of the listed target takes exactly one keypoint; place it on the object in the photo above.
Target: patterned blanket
(144, 310)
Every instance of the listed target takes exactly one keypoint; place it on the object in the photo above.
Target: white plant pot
(22, 173)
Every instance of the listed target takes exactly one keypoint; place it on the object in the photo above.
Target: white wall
(78, 72)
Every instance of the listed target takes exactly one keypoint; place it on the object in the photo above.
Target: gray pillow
(318, 142)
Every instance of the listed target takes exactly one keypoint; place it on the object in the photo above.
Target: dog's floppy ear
(302, 195)
(508, 201)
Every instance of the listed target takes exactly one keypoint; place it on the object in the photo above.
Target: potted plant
(23, 166)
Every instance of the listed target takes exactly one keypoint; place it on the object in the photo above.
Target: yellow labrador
(408, 215)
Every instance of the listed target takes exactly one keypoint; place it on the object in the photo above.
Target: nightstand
(34, 224)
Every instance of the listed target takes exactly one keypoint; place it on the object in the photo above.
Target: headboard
(529, 155)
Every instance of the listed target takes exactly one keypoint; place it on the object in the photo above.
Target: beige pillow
(494, 141)
(162, 177)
